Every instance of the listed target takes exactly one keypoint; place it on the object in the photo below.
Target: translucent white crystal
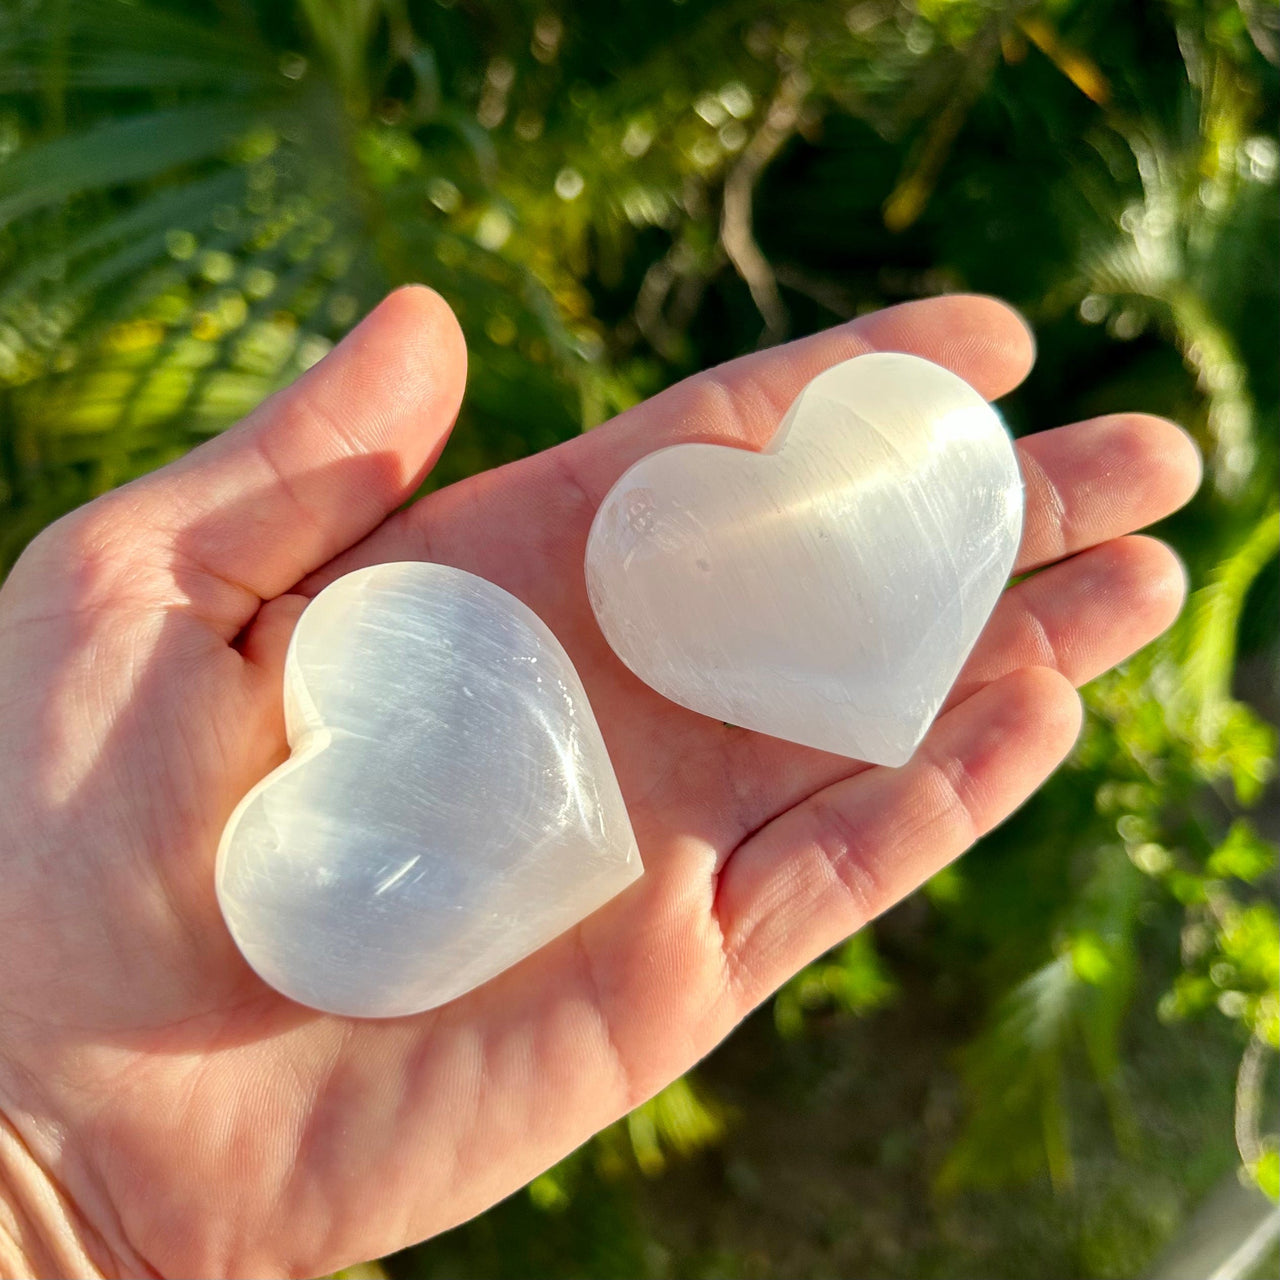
(448, 806)
(827, 590)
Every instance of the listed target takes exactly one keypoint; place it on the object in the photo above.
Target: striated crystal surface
(828, 589)
(447, 808)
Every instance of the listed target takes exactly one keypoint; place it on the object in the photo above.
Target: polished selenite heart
(448, 806)
(827, 590)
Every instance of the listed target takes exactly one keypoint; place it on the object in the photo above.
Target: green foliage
(223, 209)
(1266, 1172)
(1164, 732)
(851, 980)
(197, 199)
(680, 1120)
(1015, 1069)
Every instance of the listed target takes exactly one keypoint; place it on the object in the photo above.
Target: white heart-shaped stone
(829, 589)
(447, 808)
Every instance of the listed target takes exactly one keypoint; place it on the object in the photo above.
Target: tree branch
(736, 234)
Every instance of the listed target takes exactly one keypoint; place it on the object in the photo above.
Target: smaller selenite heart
(827, 590)
(448, 806)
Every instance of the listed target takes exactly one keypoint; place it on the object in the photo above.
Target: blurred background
(1059, 1058)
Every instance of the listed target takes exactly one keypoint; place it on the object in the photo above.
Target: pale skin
(164, 1112)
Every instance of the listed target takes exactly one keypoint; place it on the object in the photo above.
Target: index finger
(983, 340)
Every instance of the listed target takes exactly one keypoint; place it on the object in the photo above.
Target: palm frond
(117, 152)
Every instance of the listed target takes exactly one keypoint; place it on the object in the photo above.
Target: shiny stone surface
(827, 590)
(448, 806)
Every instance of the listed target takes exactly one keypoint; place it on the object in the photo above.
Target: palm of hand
(197, 1123)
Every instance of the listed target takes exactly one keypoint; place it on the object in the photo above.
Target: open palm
(162, 1109)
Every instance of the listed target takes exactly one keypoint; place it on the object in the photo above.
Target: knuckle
(1038, 643)
(957, 804)
(84, 555)
(719, 406)
(848, 850)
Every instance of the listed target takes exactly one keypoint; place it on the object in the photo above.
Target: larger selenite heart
(827, 590)
(448, 806)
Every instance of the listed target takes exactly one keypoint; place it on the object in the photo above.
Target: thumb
(311, 471)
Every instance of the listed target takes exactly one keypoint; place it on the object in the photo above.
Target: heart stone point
(828, 589)
(448, 806)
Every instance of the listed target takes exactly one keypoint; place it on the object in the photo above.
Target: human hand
(161, 1109)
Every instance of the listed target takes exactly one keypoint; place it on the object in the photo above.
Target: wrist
(41, 1234)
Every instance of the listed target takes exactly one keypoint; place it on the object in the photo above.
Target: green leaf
(1265, 1171)
(1089, 959)
(1244, 854)
(184, 205)
(852, 979)
(121, 151)
(129, 69)
(679, 1119)
(1214, 617)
